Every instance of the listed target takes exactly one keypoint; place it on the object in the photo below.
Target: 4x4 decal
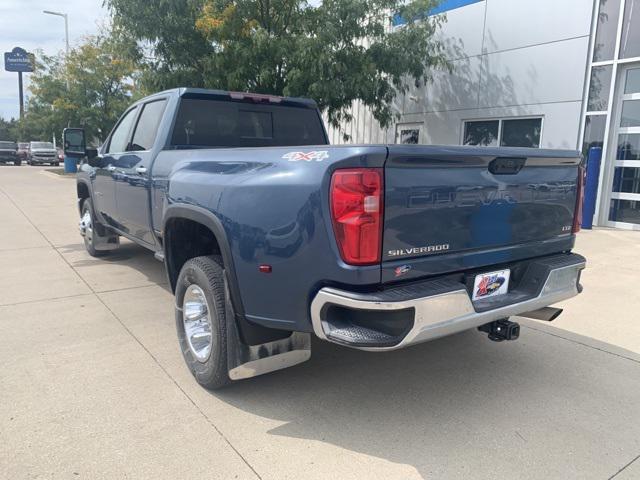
(317, 155)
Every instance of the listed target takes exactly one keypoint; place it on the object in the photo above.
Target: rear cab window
(203, 122)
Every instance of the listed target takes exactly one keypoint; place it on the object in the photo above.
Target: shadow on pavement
(129, 254)
(462, 401)
(550, 405)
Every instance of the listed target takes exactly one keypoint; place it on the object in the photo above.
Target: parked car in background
(23, 151)
(9, 153)
(43, 152)
(60, 155)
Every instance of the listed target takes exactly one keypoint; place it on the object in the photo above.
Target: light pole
(66, 25)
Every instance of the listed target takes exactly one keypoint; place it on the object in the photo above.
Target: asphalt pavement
(92, 382)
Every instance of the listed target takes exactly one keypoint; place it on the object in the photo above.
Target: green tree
(91, 88)
(335, 52)
(9, 129)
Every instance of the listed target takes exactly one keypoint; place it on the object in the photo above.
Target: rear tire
(200, 292)
(17, 163)
(89, 239)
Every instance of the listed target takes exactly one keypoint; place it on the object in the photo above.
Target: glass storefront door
(624, 205)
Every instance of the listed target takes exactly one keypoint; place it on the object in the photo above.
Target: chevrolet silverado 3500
(269, 235)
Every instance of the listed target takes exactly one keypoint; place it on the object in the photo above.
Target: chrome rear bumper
(447, 311)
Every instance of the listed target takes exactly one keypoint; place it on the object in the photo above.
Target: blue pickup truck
(268, 234)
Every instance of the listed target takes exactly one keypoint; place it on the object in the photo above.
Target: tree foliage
(91, 88)
(8, 130)
(335, 52)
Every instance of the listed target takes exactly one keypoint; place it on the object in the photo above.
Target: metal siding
(538, 74)
(534, 22)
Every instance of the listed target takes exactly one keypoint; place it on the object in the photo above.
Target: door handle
(141, 170)
(111, 168)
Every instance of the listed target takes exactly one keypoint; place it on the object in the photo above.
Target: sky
(22, 24)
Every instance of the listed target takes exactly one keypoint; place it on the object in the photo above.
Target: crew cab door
(104, 181)
(134, 174)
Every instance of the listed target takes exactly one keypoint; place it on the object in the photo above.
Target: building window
(599, 87)
(605, 44)
(483, 132)
(408, 133)
(593, 132)
(521, 133)
(630, 41)
(627, 211)
(506, 132)
(410, 137)
(632, 82)
(630, 113)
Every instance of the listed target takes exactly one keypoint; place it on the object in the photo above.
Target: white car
(43, 152)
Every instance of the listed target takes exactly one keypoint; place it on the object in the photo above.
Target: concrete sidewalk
(93, 383)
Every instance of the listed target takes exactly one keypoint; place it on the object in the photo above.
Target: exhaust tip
(546, 314)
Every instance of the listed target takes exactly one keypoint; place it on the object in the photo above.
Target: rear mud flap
(246, 361)
(106, 243)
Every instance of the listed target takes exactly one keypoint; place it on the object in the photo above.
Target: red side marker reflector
(265, 268)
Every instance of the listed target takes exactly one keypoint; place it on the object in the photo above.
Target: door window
(147, 127)
(624, 203)
(120, 136)
(632, 82)
(630, 113)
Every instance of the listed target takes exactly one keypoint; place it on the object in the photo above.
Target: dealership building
(533, 73)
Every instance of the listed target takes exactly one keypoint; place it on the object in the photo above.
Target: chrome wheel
(196, 319)
(86, 226)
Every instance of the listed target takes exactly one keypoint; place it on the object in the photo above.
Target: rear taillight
(577, 213)
(356, 211)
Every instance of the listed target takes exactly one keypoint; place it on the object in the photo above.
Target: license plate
(491, 284)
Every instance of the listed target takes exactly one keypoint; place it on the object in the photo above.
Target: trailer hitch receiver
(500, 330)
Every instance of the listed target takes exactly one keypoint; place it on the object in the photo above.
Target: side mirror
(92, 157)
(74, 142)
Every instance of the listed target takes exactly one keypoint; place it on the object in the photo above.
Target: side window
(521, 133)
(147, 126)
(120, 136)
(483, 132)
(506, 132)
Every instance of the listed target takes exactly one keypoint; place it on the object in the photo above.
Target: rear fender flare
(213, 223)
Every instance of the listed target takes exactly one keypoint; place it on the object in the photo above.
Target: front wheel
(87, 227)
(201, 320)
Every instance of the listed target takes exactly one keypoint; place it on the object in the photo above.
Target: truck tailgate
(452, 208)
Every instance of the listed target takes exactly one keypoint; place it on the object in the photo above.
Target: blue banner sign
(443, 6)
(18, 60)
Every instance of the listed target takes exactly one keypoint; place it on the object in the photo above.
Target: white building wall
(510, 58)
